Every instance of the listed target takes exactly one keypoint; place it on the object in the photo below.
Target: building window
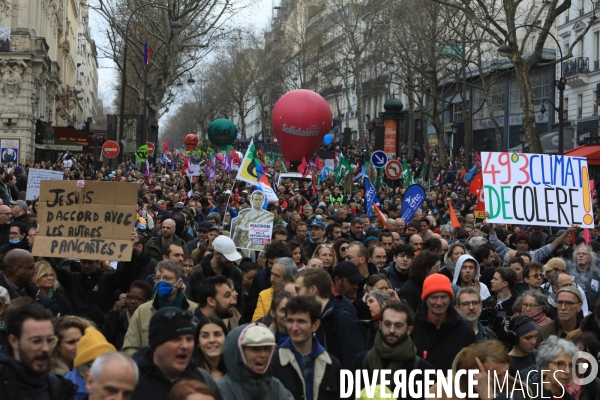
(457, 111)
(596, 50)
(496, 102)
(579, 106)
(541, 88)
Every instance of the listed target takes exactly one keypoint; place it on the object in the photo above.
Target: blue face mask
(164, 289)
(14, 241)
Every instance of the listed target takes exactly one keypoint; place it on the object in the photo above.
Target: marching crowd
(191, 316)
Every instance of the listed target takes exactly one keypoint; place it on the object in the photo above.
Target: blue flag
(413, 198)
(164, 159)
(470, 174)
(371, 196)
(323, 174)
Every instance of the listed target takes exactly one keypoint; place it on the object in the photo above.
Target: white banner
(38, 175)
(537, 189)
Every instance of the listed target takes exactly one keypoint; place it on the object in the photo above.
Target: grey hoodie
(483, 290)
(241, 383)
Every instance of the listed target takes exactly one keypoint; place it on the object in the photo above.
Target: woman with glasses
(117, 320)
(69, 330)
(532, 304)
(455, 250)
(555, 361)
(45, 279)
(325, 253)
(340, 247)
(208, 350)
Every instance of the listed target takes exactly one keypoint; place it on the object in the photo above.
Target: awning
(60, 145)
(71, 134)
(592, 153)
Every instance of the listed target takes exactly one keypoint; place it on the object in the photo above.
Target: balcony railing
(595, 109)
(597, 91)
(574, 66)
(596, 65)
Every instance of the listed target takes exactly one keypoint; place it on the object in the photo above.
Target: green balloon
(222, 132)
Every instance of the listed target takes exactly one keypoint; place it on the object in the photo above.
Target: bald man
(16, 279)
(155, 245)
(5, 217)
(112, 376)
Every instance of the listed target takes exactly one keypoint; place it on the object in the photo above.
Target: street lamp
(176, 27)
(505, 50)
(522, 139)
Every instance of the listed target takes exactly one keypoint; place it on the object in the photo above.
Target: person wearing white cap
(220, 262)
(247, 353)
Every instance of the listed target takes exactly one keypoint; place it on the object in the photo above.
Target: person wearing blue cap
(317, 236)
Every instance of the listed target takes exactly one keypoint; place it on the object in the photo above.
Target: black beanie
(168, 323)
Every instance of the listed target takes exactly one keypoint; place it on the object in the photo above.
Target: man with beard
(220, 262)
(394, 348)
(216, 299)
(468, 305)
(168, 357)
(397, 271)
(169, 293)
(154, 245)
(292, 225)
(25, 363)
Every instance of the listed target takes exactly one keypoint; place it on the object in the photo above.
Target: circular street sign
(379, 159)
(110, 149)
(393, 169)
(150, 148)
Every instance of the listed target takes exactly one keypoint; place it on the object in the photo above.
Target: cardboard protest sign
(260, 234)
(537, 189)
(252, 228)
(90, 222)
(37, 175)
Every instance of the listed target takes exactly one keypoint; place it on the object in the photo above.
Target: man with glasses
(5, 218)
(585, 272)
(568, 303)
(397, 271)
(169, 293)
(25, 364)
(468, 305)
(394, 346)
(296, 360)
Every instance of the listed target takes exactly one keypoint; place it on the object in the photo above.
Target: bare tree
(500, 30)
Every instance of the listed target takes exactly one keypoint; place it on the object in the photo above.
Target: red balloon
(300, 119)
(191, 141)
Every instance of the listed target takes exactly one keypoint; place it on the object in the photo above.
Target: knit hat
(168, 323)
(573, 290)
(415, 225)
(91, 346)
(19, 170)
(523, 235)
(522, 325)
(436, 283)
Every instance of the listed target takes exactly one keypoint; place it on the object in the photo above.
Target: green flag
(142, 154)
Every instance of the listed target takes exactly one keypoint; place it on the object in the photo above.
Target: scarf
(450, 265)
(539, 318)
(176, 303)
(377, 319)
(394, 358)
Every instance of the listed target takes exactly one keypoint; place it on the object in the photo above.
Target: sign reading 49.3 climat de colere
(537, 189)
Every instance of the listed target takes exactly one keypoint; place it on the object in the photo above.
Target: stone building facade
(48, 72)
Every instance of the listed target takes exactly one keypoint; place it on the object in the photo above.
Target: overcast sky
(257, 15)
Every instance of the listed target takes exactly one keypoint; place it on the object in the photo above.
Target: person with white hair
(4, 302)
(112, 375)
(283, 270)
(555, 360)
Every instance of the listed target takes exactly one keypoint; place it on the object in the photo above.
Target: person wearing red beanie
(439, 331)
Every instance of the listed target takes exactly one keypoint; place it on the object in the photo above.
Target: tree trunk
(529, 125)
(411, 119)
(359, 110)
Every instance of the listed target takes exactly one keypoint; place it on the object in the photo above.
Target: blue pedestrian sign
(379, 159)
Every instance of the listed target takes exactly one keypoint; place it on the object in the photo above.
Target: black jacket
(92, 296)
(503, 310)
(4, 194)
(144, 265)
(410, 292)
(340, 332)
(22, 182)
(4, 234)
(261, 281)
(204, 270)
(441, 344)
(23, 245)
(153, 384)
(396, 279)
(64, 308)
(30, 291)
(115, 328)
(328, 389)
(17, 382)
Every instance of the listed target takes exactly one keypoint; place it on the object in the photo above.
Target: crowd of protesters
(191, 316)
